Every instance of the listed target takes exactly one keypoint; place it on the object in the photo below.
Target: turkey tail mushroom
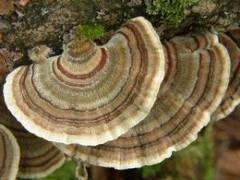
(38, 157)
(9, 155)
(90, 94)
(197, 76)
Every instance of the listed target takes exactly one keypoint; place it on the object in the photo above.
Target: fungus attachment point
(90, 94)
(197, 76)
(9, 155)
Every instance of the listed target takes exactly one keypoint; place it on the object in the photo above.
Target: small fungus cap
(90, 94)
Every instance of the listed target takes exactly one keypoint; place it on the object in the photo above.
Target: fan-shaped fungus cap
(90, 94)
(232, 97)
(9, 155)
(38, 158)
(197, 75)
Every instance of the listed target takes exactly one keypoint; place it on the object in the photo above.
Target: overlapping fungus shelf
(9, 155)
(232, 97)
(143, 99)
(197, 76)
(90, 94)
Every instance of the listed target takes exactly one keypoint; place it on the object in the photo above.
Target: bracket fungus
(9, 155)
(90, 94)
(196, 79)
(38, 157)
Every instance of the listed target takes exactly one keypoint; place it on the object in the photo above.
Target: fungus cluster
(197, 75)
(128, 103)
